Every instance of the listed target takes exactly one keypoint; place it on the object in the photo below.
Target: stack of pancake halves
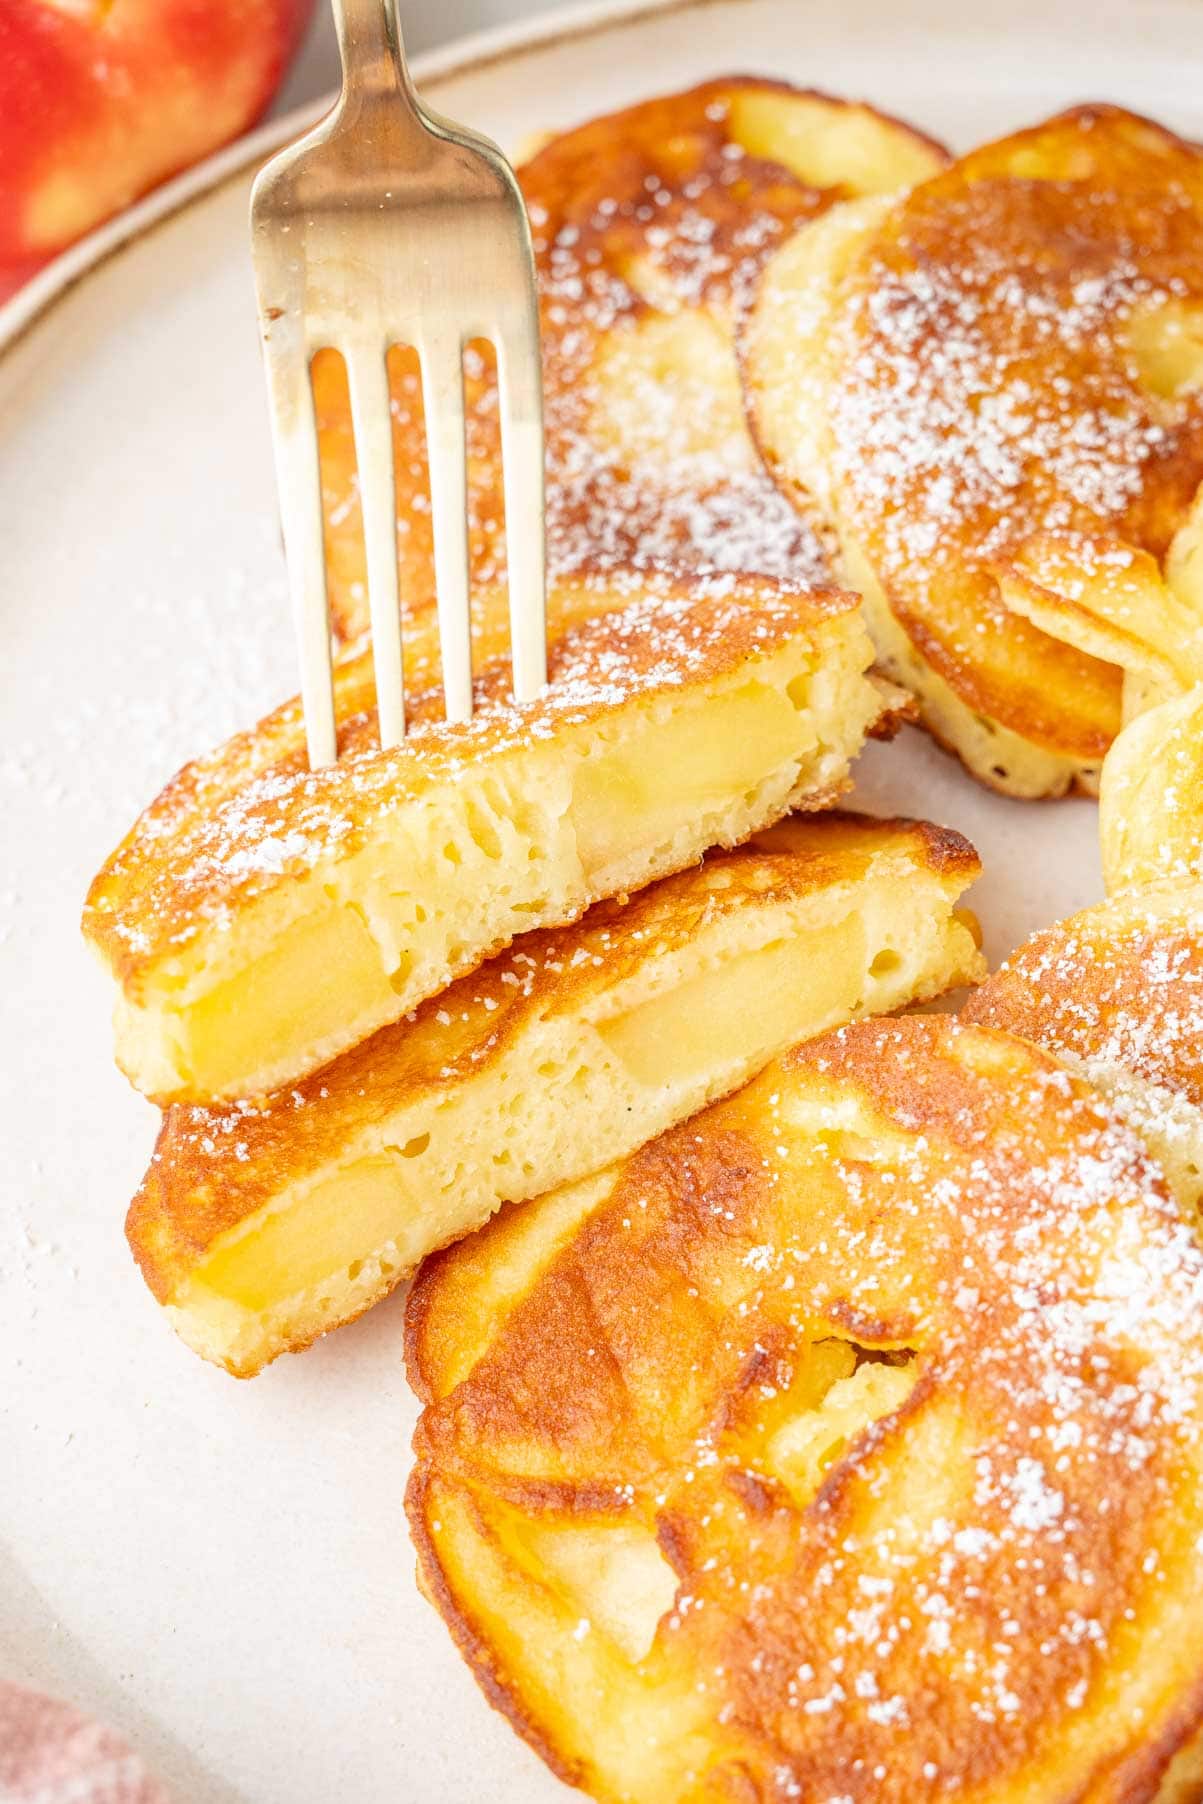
(813, 1389)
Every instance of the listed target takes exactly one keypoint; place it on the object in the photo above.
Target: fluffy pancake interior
(536, 1070)
(311, 909)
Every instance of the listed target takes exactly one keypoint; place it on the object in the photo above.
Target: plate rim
(155, 1719)
(464, 55)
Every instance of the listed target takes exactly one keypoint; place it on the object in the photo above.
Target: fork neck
(372, 49)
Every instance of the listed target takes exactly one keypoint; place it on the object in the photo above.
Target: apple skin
(102, 99)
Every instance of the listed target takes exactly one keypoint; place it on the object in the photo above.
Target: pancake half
(1010, 351)
(262, 917)
(649, 227)
(844, 1443)
(1116, 992)
(259, 1228)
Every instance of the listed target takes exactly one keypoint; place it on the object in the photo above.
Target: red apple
(101, 99)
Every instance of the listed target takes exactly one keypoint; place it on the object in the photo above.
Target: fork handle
(373, 50)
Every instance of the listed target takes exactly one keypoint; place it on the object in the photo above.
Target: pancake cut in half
(649, 227)
(846, 1442)
(1116, 992)
(1012, 352)
(260, 1227)
(261, 917)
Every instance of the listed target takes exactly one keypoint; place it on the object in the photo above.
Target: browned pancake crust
(1121, 983)
(234, 824)
(995, 395)
(228, 1162)
(978, 1590)
(661, 183)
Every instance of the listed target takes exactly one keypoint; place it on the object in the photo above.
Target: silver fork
(388, 225)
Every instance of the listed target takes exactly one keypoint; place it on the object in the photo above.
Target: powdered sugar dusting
(1121, 985)
(971, 440)
(1117, 992)
(614, 247)
(991, 388)
(650, 228)
(969, 1566)
(220, 836)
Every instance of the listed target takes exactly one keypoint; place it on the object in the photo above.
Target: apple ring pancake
(1013, 349)
(650, 226)
(845, 1443)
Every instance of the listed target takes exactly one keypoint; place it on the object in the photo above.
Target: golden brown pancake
(261, 917)
(846, 1442)
(650, 225)
(1115, 603)
(1151, 797)
(1012, 349)
(259, 1227)
(1116, 992)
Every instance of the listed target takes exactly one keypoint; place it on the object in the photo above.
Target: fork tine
(367, 373)
(294, 436)
(443, 396)
(520, 396)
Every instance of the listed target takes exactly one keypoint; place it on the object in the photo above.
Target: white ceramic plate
(223, 1570)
